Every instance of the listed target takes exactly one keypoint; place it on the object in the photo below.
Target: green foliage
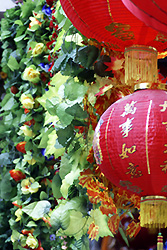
(46, 130)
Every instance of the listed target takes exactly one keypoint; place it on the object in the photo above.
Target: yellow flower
(27, 131)
(32, 241)
(18, 214)
(32, 161)
(31, 75)
(29, 186)
(28, 102)
(39, 48)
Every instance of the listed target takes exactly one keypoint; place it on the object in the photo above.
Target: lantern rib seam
(146, 138)
(106, 131)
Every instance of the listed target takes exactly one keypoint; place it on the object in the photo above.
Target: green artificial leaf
(56, 184)
(43, 196)
(6, 190)
(65, 135)
(37, 210)
(123, 236)
(60, 216)
(50, 149)
(77, 226)
(5, 159)
(44, 138)
(31, 224)
(78, 93)
(58, 62)
(101, 221)
(57, 80)
(19, 38)
(12, 63)
(59, 40)
(52, 92)
(27, 9)
(50, 119)
(77, 111)
(51, 108)
(8, 102)
(64, 188)
(18, 22)
(87, 55)
(5, 34)
(73, 175)
(64, 118)
(65, 167)
(81, 244)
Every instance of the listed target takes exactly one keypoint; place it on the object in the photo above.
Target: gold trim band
(153, 197)
(147, 85)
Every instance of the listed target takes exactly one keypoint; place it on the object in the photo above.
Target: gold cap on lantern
(141, 70)
(153, 212)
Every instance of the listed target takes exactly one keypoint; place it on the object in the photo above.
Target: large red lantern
(109, 21)
(130, 141)
(152, 13)
(130, 147)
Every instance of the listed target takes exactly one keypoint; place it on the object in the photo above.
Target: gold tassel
(159, 242)
(153, 212)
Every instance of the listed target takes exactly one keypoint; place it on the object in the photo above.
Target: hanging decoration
(130, 149)
(130, 138)
(112, 23)
(152, 13)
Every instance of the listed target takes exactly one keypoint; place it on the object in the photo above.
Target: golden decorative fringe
(159, 242)
(153, 212)
(140, 65)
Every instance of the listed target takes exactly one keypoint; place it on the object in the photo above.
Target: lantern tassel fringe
(153, 212)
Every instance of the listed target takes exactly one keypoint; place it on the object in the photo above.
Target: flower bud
(21, 147)
(17, 175)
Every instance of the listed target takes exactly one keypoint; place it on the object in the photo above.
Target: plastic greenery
(53, 196)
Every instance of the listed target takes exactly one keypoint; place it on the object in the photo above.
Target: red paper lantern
(111, 22)
(152, 13)
(130, 146)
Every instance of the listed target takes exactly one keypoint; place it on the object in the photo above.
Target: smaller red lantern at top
(112, 23)
(151, 13)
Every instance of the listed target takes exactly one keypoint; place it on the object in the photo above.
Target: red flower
(26, 111)
(26, 232)
(17, 175)
(49, 45)
(21, 147)
(29, 123)
(49, 58)
(50, 2)
(15, 204)
(51, 25)
(39, 246)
